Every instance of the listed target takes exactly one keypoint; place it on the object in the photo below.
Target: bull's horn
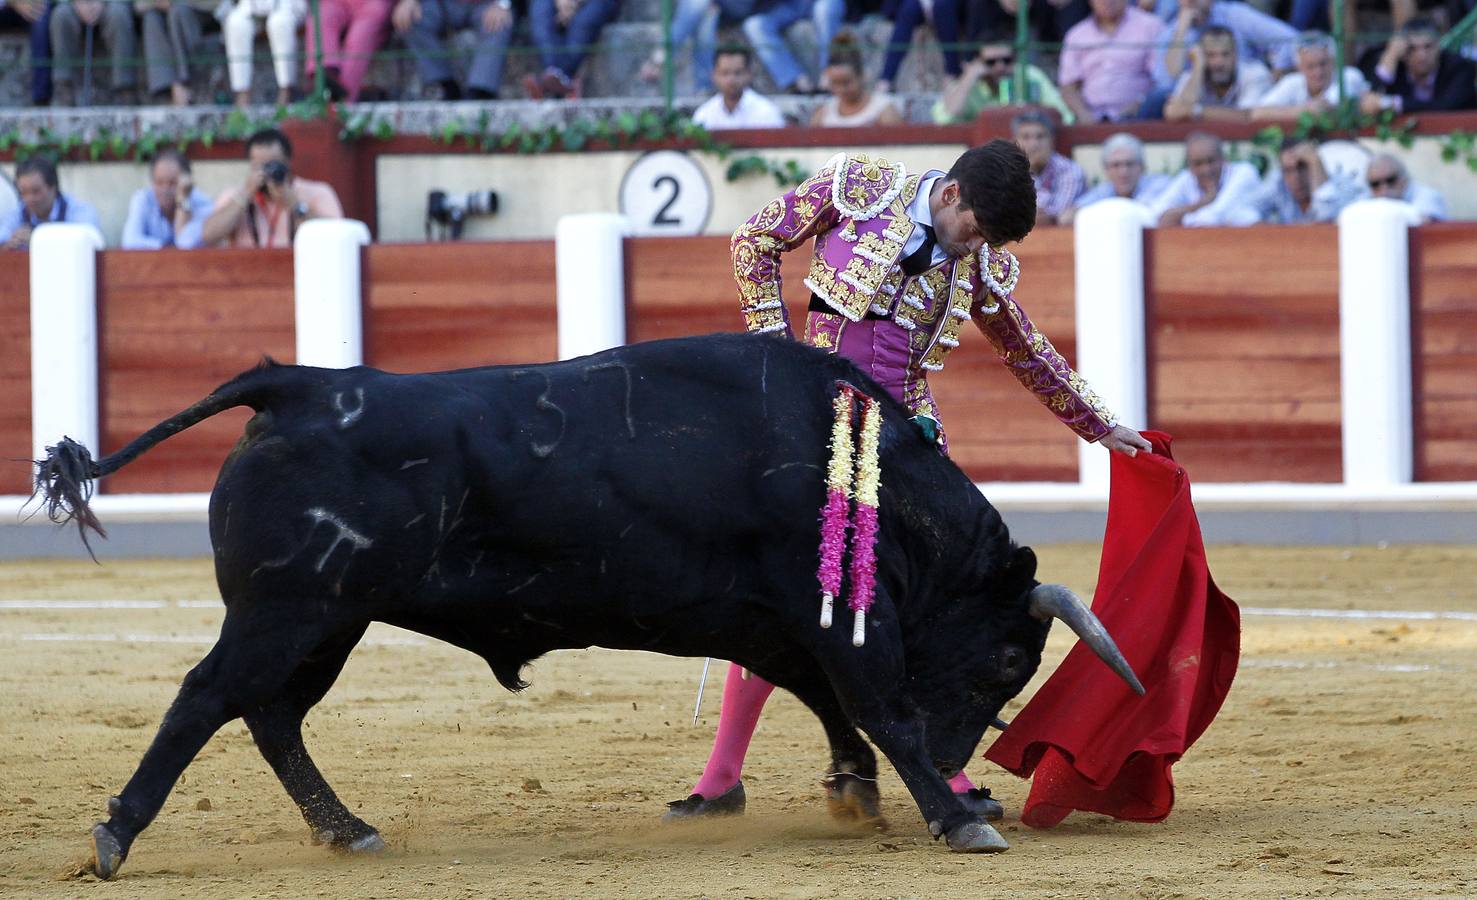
(1049, 601)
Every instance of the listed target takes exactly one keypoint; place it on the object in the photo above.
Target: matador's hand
(1125, 440)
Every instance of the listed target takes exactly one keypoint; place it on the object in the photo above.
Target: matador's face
(958, 232)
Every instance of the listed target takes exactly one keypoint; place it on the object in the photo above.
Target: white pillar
(64, 395)
(1111, 355)
(1374, 342)
(589, 262)
(328, 305)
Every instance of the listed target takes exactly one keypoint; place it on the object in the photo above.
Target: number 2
(661, 217)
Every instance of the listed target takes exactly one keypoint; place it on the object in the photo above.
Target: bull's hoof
(853, 799)
(369, 843)
(107, 853)
(976, 837)
(364, 839)
(979, 802)
(729, 803)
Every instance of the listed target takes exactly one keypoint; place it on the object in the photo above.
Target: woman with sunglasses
(988, 80)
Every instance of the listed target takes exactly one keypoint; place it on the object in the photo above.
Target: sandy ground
(1342, 763)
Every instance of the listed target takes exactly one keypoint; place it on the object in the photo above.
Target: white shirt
(920, 213)
(1252, 82)
(1234, 203)
(754, 110)
(1292, 89)
(1426, 200)
(1149, 186)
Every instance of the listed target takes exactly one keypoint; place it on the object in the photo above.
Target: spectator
(1386, 177)
(170, 212)
(1058, 180)
(851, 105)
(1123, 163)
(766, 29)
(1307, 191)
(268, 209)
(352, 31)
(426, 24)
(34, 16)
(42, 202)
(113, 22)
(699, 20)
(943, 15)
(173, 30)
(1209, 191)
(987, 80)
(1107, 62)
(1257, 36)
(564, 31)
(1312, 88)
(1413, 74)
(1218, 85)
(240, 26)
(736, 105)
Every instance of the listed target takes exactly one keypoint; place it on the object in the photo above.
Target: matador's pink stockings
(743, 701)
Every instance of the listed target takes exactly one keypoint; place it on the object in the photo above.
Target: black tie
(921, 259)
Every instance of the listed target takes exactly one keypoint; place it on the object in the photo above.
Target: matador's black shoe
(729, 803)
(979, 802)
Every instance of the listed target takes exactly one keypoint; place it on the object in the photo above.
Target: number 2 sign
(666, 193)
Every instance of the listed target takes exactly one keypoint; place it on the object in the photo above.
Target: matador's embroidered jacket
(856, 209)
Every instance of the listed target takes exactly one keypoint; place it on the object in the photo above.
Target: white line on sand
(1420, 614)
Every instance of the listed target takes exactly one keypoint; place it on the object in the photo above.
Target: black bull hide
(660, 497)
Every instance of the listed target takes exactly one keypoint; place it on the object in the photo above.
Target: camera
(276, 171)
(450, 211)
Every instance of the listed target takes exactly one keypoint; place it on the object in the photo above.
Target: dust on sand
(1341, 765)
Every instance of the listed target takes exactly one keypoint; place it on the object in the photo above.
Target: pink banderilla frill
(838, 505)
(864, 521)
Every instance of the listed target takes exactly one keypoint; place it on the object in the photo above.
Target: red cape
(1092, 744)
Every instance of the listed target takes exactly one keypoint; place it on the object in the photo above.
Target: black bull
(660, 497)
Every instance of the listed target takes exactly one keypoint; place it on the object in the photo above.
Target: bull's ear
(1023, 563)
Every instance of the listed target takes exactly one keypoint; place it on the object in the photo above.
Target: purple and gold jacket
(856, 209)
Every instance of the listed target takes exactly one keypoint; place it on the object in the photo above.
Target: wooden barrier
(15, 373)
(172, 326)
(1443, 268)
(1244, 350)
(997, 431)
(454, 305)
(1243, 359)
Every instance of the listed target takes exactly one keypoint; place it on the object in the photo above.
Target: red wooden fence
(1443, 265)
(1244, 350)
(1243, 344)
(15, 373)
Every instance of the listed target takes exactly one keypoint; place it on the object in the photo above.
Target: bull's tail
(64, 478)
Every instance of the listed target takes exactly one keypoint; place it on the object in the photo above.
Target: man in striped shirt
(1059, 181)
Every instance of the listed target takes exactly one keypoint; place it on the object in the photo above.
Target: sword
(700, 685)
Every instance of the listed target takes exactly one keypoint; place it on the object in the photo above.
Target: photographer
(266, 211)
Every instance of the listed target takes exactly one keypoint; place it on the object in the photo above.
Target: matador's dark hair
(995, 184)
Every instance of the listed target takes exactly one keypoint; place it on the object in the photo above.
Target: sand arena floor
(1342, 764)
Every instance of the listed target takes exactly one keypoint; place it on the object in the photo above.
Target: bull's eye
(1010, 663)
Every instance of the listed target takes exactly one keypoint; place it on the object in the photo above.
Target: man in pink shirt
(1107, 62)
(267, 210)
